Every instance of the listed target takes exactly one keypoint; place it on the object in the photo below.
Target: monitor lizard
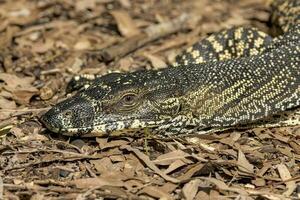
(239, 77)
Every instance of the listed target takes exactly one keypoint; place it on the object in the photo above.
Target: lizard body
(233, 78)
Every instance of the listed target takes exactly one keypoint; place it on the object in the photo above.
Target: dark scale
(239, 77)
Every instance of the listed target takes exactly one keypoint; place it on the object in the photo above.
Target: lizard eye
(129, 99)
(128, 102)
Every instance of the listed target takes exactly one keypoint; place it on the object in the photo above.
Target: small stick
(150, 34)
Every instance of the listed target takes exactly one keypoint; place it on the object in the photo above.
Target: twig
(52, 182)
(151, 34)
(150, 164)
(23, 110)
(40, 188)
(89, 170)
(70, 158)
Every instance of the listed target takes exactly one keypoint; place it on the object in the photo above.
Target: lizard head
(117, 104)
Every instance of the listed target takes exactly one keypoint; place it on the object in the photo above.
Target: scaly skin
(234, 78)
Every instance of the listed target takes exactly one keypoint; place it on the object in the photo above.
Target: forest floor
(45, 43)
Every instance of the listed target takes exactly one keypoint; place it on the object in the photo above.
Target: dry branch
(150, 34)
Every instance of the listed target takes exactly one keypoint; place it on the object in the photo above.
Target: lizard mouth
(129, 127)
(98, 133)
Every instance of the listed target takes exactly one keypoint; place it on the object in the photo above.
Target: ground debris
(44, 43)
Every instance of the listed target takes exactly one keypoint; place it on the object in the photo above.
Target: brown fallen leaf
(14, 82)
(34, 137)
(202, 195)
(104, 144)
(133, 185)
(50, 89)
(21, 88)
(117, 158)
(170, 44)
(102, 165)
(43, 46)
(259, 182)
(264, 169)
(285, 176)
(149, 163)
(23, 96)
(169, 187)
(17, 132)
(190, 189)
(155, 192)
(281, 138)
(156, 61)
(169, 158)
(85, 4)
(7, 104)
(96, 182)
(175, 165)
(194, 169)
(222, 186)
(243, 163)
(267, 195)
(285, 151)
(125, 23)
(82, 44)
(124, 64)
(132, 166)
(295, 146)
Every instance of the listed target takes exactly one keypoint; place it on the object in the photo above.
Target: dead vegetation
(44, 43)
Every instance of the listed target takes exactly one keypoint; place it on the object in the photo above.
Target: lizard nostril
(51, 121)
(67, 113)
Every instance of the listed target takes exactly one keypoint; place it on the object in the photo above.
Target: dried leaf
(202, 195)
(156, 62)
(126, 25)
(21, 88)
(169, 158)
(117, 158)
(23, 96)
(243, 163)
(7, 104)
(97, 182)
(81, 5)
(190, 189)
(106, 145)
(222, 186)
(175, 165)
(150, 164)
(194, 169)
(155, 192)
(34, 137)
(43, 46)
(293, 144)
(82, 44)
(102, 165)
(169, 187)
(285, 176)
(14, 83)
(17, 132)
(259, 182)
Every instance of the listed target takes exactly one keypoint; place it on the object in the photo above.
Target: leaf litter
(44, 43)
